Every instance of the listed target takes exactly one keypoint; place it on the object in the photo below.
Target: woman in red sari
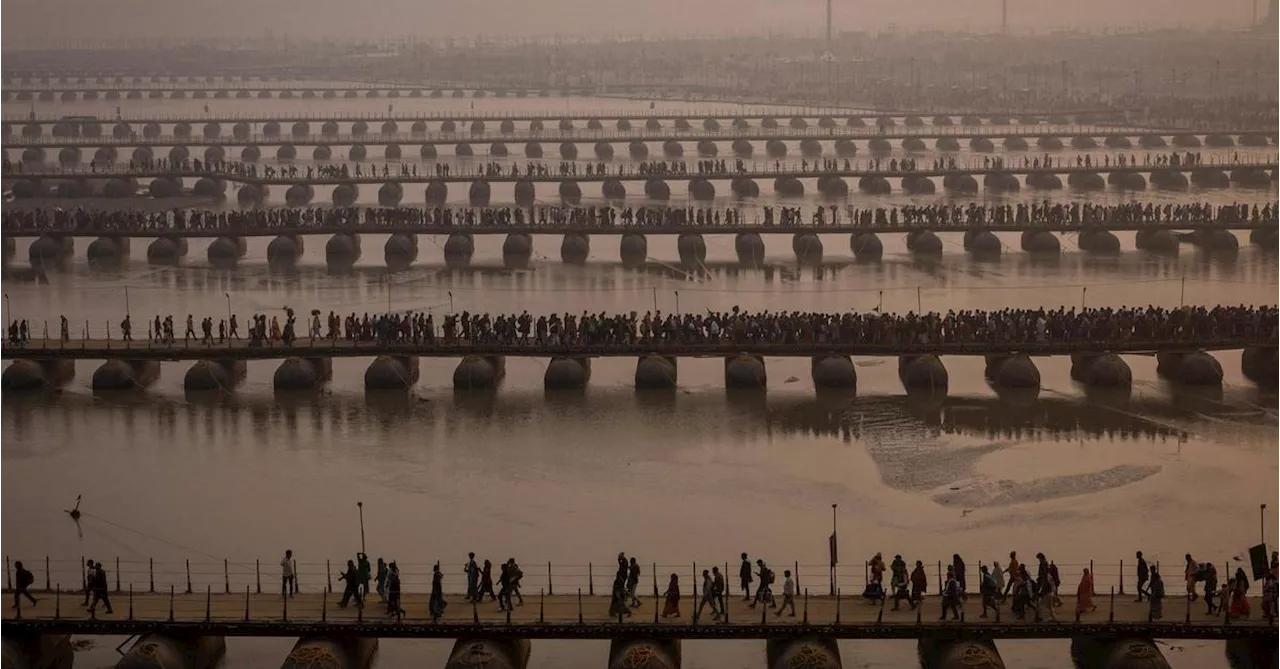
(1084, 595)
(672, 606)
(1240, 595)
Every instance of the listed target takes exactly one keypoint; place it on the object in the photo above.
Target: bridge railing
(591, 578)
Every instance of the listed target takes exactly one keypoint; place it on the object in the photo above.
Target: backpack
(25, 578)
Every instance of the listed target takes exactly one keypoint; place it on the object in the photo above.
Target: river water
(694, 475)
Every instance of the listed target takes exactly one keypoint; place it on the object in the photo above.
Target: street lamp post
(834, 550)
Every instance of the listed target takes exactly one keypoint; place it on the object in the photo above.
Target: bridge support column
(226, 251)
(108, 250)
(302, 373)
(656, 372)
(458, 249)
(692, 249)
(833, 372)
(168, 651)
(807, 247)
(333, 652)
(479, 372)
(1258, 364)
(391, 372)
(38, 651)
(1192, 368)
(50, 250)
(214, 375)
(1012, 371)
(644, 654)
(803, 653)
(922, 373)
(517, 249)
(489, 654)
(28, 374)
(116, 374)
(167, 251)
(284, 251)
(575, 248)
(1252, 653)
(1101, 370)
(342, 251)
(866, 246)
(1124, 653)
(634, 250)
(958, 654)
(750, 248)
(745, 372)
(567, 374)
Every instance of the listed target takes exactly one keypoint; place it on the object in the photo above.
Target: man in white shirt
(788, 594)
(288, 582)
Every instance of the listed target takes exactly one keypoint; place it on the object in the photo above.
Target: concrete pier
(481, 653)
(644, 654)
(388, 372)
(802, 653)
(37, 651)
(332, 653)
(116, 374)
(165, 651)
(27, 374)
(479, 372)
(567, 374)
(302, 373)
(656, 372)
(209, 375)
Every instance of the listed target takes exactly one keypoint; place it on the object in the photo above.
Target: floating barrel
(123, 130)
(638, 150)
(879, 146)
(942, 653)
(1127, 181)
(874, 185)
(482, 653)
(429, 152)
(802, 653)
(211, 375)
(390, 194)
(710, 124)
(866, 246)
(249, 154)
(568, 151)
(165, 187)
(225, 251)
(672, 149)
(623, 124)
(1015, 143)
(643, 653)
(287, 152)
(1104, 370)
(922, 373)
(1044, 181)
(1216, 241)
(1040, 242)
(613, 189)
(209, 187)
(479, 193)
(119, 187)
(742, 148)
(1109, 653)
(634, 250)
(775, 148)
(833, 187)
(845, 148)
(179, 154)
(116, 374)
(388, 372)
(72, 188)
(151, 130)
(1251, 178)
(1151, 141)
(1267, 239)
(448, 126)
(885, 122)
(331, 652)
(1196, 368)
(69, 155)
(1086, 181)
(1258, 364)
(285, 250)
(918, 185)
(525, 192)
(252, 195)
(300, 129)
(1186, 141)
(1083, 142)
(517, 248)
(1117, 142)
(594, 124)
(269, 129)
(657, 189)
(788, 187)
(357, 152)
(652, 124)
(33, 156)
(418, 128)
(744, 187)
(1219, 140)
(1101, 242)
(833, 372)
(914, 145)
(604, 151)
(477, 127)
(400, 250)
(707, 148)
(215, 154)
(1157, 241)
(437, 192)
(164, 651)
(981, 145)
(479, 373)
(656, 372)
(810, 147)
(1253, 140)
(570, 192)
(701, 189)
(1001, 182)
(463, 150)
(566, 124)
(1049, 143)
(769, 123)
(567, 374)
(1208, 177)
(983, 244)
(960, 184)
(740, 123)
(302, 374)
(913, 122)
(346, 194)
(692, 249)
(745, 372)
(575, 248)
(25, 189)
(750, 248)
(807, 247)
(300, 195)
(27, 375)
(924, 242)
(458, 249)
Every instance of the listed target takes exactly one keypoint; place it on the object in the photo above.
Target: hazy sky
(62, 22)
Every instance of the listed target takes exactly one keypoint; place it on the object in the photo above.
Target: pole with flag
(834, 550)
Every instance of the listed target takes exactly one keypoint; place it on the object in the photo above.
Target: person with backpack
(989, 590)
(24, 580)
(1209, 574)
(762, 591)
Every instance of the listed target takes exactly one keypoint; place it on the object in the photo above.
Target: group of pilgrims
(14, 220)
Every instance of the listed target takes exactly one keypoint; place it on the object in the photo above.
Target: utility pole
(1004, 17)
(829, 56)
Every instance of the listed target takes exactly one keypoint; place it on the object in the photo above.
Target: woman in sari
(1084, 595)
(618, 597)
(1240, 595)
(672, 606)
(436, 604)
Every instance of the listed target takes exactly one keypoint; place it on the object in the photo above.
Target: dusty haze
(52, 23)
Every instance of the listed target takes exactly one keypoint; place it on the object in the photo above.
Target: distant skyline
(67, 22)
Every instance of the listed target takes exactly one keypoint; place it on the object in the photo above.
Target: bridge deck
(583, 616)
(101, 349)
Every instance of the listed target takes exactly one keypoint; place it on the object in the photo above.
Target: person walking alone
(288, 581)
(24, 580)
